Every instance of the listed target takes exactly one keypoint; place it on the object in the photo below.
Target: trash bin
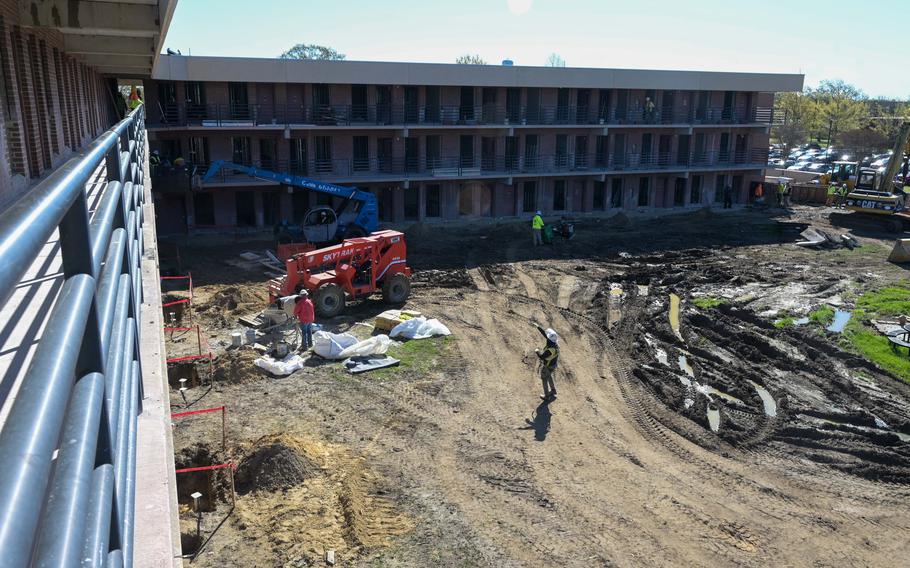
(548, 234)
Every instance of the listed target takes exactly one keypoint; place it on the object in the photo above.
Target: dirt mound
(236, 366)
(219, 307)
(274, 466)
(618, 220)
(455, 278)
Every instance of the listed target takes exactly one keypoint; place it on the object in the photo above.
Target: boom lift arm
(367, 215)
(896, 160)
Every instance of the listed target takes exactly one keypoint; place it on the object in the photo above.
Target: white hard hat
(538, 213)
(303, 294)
(551, 335)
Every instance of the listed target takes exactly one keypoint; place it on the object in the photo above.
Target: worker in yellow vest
(537, 228)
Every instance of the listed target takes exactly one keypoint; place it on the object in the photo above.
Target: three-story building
(443, 142)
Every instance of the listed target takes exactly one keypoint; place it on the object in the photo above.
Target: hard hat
(538, 213)
(551, 335)
(303, 294)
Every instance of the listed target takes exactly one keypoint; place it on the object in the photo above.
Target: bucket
(281, 350)
(251, 336)
(236, 339)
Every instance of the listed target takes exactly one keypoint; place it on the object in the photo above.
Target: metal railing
(68, 446)
(246, 115)
(499, 165)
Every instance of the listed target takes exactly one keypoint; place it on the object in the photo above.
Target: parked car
(817, 168)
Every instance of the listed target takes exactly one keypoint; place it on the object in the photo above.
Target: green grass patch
(876, 348)
(890, 301)
(822, 316)
(417, 356)
(787, 321)
(708, 302)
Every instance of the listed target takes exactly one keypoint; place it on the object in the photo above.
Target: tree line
(839, 114)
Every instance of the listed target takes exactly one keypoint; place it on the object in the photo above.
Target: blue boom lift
(322, 224)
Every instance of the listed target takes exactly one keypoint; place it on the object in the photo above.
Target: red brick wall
(50, 103)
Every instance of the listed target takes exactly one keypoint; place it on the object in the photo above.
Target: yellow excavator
(876, 193)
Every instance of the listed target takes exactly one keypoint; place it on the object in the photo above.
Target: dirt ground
(725, 441)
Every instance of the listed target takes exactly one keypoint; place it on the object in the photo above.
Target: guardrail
(68, 445)
(503, 165)
(491, 114)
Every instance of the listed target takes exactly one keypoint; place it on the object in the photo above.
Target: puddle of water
(767, 400)
(685, 366)
(685, 381)
(710, 391)
(880, 430)
(688, 402)
(841, 318)
(674, 315)
(801, 321)
(661, 356)
(879, 422)
(713, 418)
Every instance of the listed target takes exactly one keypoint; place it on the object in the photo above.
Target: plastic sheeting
(419, 328)
(356, 365)
(280, 367)
(344, 345)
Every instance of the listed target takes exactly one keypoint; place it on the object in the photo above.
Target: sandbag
(280, 367)
(376, 345)
(330, 345)
(419, 328)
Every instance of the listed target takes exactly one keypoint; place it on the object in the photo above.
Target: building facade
(446, 142)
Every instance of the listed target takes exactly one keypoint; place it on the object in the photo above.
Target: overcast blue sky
(836, 39)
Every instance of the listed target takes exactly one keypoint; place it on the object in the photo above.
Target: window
(245, 203)
(562, 150)
(467, 151)
(298, 156)
(513, 104)
(644, 190)
(737, 186)
(239, 101)
(466, 200)
(582, 106)
(511, 152)
(411, 108)
(679, 192)
(204, 208)
(619, 151)
(600, 196)
(199, 150)
(530, 151)
(195, 100)
(581, 152)
(488, 153)
(431, 196)
(562, 106)
(359, 108)
(411, 154)
(322, 111)
(411, 203)
(268, 153)
(616, 193)
(323, 154)
(559, 195)
(384, 154)
(720, 182)
(432, 111)
(241, 150)
(530, 197)
(271, 208)
(466, 109)
(603, 106)
(695, 190)
(361, 161)
(432, 151)
(600, 151)
(682, 150)
(646, 143)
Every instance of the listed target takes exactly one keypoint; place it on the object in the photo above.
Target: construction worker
(787, 190)
(781, 188)
(303, 309)
(134, 98)
(537, 228)
(649, 110)
(549, 358)
(832, 194)
(842, 195)
(728, 197)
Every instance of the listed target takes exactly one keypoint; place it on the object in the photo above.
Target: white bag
(419, 328)
(330, 345)
(280, 367)
(376, 345)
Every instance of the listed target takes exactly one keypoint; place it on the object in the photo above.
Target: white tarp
(280, 367)
(344, 345)
(419, 328)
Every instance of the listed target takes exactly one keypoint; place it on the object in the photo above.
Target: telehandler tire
(329, 300)
(396, 289)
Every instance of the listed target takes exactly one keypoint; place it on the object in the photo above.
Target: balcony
(422, 116)
(501, 166)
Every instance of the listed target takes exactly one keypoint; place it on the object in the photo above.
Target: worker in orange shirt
(303, 310)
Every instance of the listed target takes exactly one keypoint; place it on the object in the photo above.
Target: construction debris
(419, 328)
(357, 365)
(901, 252)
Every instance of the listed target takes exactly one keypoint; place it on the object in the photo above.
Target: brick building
(445, 142)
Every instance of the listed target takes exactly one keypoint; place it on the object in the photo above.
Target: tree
(554, 60)
(864, 141)
(796, 115)
(312, 51)
(841, 106)
(469, 59)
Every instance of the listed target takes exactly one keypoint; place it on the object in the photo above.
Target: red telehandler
(356, 267)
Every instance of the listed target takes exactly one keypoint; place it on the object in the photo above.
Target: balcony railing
(68, 445)
(247, 115)
(502, 165)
